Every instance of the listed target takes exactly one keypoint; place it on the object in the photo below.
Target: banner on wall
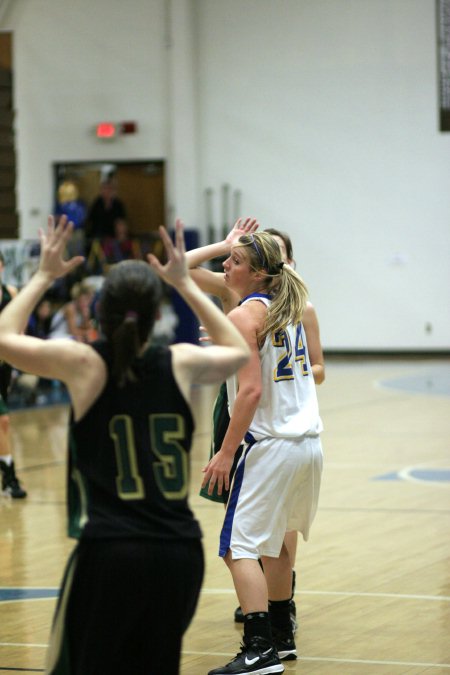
(443, 21)
(21, 260)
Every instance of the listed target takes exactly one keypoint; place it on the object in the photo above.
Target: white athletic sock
(7, 459)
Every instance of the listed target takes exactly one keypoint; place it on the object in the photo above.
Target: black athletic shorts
(124, 606)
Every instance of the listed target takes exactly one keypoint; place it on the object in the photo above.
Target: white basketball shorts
(275, 489)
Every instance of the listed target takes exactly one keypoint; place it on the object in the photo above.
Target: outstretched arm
(249, 319)
(22, 351)
(230, 350)
(213, 282)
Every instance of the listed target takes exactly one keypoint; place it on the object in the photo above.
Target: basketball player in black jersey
(131, 585)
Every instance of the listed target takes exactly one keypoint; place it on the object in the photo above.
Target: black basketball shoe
(285, 645)
(10, 482)
(257, 656)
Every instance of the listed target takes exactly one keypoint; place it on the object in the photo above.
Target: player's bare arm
(312, 331)
(248, 319)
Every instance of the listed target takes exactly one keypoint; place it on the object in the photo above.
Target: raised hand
(241, 226)
(53, 246)
(175, 270)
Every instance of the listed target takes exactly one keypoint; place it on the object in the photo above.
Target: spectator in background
(79, 315)
(75, 319)
(38, 326)
(104, 211)
(120, 247)
(70, 205)
(40, 319)
(74, 208)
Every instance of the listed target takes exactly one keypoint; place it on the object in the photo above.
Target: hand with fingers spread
(241, 226)
(198, 256)
(175, 271)
(53, 246)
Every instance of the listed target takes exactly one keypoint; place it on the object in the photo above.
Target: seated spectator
(120, 247)
(75, 318)
(38, 326)
(40, 320)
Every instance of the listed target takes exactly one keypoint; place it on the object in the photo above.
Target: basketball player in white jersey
(274, 407)
(214, 283)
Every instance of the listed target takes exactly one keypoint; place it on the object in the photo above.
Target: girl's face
(83, 303)
(239, 276)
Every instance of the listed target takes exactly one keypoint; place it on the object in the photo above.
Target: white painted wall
(76, 64)
(323, 112)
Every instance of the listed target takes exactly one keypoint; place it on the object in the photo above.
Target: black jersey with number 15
(129, 456)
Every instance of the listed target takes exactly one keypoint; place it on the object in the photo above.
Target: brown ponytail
(126, 346)
(128, 305)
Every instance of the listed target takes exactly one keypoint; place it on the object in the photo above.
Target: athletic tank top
(129, 456)
(288, 407)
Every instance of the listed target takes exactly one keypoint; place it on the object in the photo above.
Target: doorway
(140, 186)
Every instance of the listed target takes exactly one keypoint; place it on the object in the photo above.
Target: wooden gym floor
(373, 582)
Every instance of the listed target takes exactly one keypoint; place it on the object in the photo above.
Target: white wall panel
(324, 113)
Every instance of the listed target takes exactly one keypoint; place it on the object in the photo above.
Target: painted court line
(12, 602)
(23, 644)
(47, 593)
(400, 596)
(330, 659)
(375, 662)
(324, 659)
(10, 669)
